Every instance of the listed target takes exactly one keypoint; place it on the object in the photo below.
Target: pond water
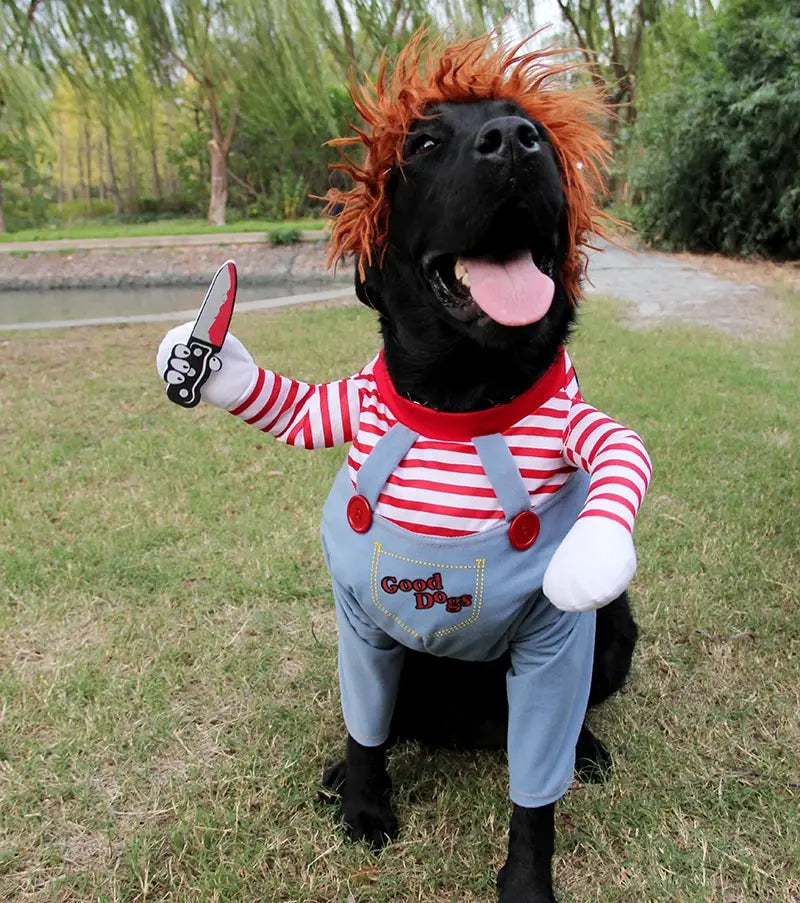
(19, 307)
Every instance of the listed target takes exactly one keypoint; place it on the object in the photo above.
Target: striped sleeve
(306, 415)
(571, 386)
(614, 457)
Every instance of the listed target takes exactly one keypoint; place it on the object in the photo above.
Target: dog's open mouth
(514, 290)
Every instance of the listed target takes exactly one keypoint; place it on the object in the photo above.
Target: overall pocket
(426, 599)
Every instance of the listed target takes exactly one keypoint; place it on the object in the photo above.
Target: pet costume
(478, 581)
(463, 593)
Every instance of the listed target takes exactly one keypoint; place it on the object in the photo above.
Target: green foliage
(23, 210)
(293, 104)
(23, 170)
(77, 210)
(151, 208)
(190, 159)
(283, 236)
(137, 89)
(23, 124)
(715, 146)
(291, 194)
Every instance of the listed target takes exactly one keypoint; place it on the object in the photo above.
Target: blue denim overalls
(469, 597)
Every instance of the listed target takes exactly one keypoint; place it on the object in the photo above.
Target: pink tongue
(513, 293)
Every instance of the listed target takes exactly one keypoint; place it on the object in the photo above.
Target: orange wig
(427, 73)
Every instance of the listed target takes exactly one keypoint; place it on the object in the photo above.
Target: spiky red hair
(426, 73)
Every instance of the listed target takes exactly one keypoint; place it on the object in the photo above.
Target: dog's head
(468, 216)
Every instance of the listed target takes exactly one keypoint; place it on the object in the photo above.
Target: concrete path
(62, 245)
(662, 289)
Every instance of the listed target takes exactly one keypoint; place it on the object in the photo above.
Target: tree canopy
(715, 165)
(144, 108)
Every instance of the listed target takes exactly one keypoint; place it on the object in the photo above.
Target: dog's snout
(505, 138)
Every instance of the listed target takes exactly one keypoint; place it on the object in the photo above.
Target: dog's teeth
(462, 273)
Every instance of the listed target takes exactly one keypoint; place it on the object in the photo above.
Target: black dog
(478, 180)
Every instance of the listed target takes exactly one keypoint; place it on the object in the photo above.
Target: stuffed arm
(296, 413)
(596, 560)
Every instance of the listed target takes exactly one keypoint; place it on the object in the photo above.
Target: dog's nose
(507, 138)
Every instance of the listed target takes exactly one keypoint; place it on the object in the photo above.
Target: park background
(168, 692)
(115, 113)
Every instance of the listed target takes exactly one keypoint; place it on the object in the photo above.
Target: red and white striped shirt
(440, 487)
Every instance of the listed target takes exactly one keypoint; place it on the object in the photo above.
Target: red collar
(463, 427)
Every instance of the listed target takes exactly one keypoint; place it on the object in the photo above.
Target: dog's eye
(420, 144)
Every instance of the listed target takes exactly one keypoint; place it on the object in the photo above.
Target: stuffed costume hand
(234, 372)
(593, 565)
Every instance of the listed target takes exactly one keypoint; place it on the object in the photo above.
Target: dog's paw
(333, 780)
(362, 817)
(376, 823)
(593, 763)
(515, 885)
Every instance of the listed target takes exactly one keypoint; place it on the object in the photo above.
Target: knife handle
(185, 380)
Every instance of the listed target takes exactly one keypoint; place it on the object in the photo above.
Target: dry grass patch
(168, 687)
(769, 273)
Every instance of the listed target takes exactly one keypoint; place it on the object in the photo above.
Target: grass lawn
(168, 686)
(180, 226)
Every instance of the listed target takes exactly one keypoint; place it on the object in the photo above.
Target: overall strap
(381, 462)
(503, 474)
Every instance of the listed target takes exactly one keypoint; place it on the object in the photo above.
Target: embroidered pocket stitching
(479, 566)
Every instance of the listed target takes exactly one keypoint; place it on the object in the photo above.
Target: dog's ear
(369, 290)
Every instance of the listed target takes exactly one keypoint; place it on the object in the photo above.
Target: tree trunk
(69, 187)
(133, 183)
(157, 191)
(2, 211)
(81, 187)
(87, 137)
(171, 173)
(218, 150)
(101, 176)
(61, 162)
(219, 184)
(113, 173)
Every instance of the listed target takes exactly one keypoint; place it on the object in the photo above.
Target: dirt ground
(760, 272)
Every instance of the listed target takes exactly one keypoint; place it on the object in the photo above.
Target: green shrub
(283, 236)
(22, 209)
(160, 208)
(68, 212)
(715, 162)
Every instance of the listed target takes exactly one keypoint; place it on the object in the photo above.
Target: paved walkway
(662, 289)
(63, 245)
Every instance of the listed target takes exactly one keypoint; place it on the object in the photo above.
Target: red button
(523, 530)
(359, 514)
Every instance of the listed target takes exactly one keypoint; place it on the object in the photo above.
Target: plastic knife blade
(188, 370)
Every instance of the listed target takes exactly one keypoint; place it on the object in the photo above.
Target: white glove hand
(234, 372)
(593, 565)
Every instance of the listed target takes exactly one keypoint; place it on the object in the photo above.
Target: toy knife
(192, 364)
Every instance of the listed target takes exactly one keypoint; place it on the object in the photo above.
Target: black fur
(481, 721)
(479, 179)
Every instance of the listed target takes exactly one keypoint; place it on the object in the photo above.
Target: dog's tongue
(513, 293)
